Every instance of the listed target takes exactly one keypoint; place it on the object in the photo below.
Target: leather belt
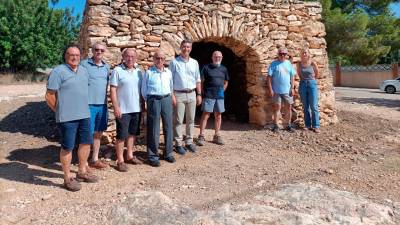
(158, 96)
(185, 91)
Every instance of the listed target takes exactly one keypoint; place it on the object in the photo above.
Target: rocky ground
(360, 154)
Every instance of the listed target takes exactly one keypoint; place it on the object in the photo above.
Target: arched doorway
(236, 96)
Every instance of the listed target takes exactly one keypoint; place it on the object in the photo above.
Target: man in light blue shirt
(187, 94)
(157, 88)
(67, 96)
(281, 88)
(125, 96)
(99, 72)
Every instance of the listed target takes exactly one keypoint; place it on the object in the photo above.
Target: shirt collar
(91, 61)
(126, 68)
(70, 68)
(154, 68)
(180, 58)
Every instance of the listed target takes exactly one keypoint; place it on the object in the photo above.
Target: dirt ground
(360, 154)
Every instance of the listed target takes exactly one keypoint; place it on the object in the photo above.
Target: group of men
(77, 92)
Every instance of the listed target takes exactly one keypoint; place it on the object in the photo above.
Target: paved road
(346, 92)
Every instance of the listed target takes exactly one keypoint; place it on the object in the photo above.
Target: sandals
(87, 177)
(72, 185)
(134, 160)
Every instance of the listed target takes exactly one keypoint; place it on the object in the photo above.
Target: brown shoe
(217, 139)
(72, 185)
(316, 130)
(87, 177)
(134, 160)
(98, 165)
(122, 167)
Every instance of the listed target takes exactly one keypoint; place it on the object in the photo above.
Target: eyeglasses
(282, 54)
(159, 58)
(99, 50)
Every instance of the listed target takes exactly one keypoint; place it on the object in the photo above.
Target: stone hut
(248, 32)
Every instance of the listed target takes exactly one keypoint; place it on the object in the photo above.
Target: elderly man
(214, 77)
(98, 71)
(125, 96)
(67, 95)
(281, 88)
(157, 88)
(186, 79)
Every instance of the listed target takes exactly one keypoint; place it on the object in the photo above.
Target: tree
(32, 35)
(360, 32)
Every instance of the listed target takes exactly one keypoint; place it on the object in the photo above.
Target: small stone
(46, 197)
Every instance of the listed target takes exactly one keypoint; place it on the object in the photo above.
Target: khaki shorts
(285, 98)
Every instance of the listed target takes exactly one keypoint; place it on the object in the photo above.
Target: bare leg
(276, 110)
(130, 141)
(83, 154)
(287, 109)
(119, 150)
(218, 122)
(203, 122)
(65, 159)
(96, 146)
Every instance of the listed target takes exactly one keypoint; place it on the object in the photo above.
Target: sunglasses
(282, 54)
(99, 50)
(159, 58)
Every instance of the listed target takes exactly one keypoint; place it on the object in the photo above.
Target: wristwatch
(198, 94)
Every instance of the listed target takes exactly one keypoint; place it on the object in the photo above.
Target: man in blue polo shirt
(281, 88)
(157, 88)
(67, 95)
(125, 96)
(98, 81)
(214, 77)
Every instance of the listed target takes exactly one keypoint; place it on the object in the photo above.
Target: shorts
(128, 124)
(285, 98)
(213, 105)
(71, 130)
(98, 117)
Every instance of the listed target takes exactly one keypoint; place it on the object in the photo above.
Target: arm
(298, 68)
(316, 71)
(114, 100)
(269, 85)
(198, 95)
(225, 85)
(51, 99)
(291, 92)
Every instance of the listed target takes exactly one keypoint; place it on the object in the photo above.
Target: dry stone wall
(252, 29)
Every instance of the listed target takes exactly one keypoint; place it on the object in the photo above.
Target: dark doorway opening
(236, 96)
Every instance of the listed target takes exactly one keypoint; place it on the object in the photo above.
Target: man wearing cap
(67, 96)
(281, 88)
(98, 71)
(187, 94)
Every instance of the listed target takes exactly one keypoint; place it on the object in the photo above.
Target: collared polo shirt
(157, 82)
(98, 80)
(185, 74)
(128, 83)
(72, 92)
(213, 77)
(281, 73)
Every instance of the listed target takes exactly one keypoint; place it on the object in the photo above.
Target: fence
(363, 76)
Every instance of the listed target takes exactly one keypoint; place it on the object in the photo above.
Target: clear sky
(79, 6)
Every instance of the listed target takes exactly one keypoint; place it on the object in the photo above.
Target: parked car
(390, 86)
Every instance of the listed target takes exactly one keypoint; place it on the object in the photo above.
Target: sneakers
(72, 185)
(98, 165)
(122, 167)
(200, 140)
(191, 147)
(180, 150)
(217, 139)
(87, 177)
(275, 129)
(317, 130)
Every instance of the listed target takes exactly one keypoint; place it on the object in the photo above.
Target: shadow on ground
(390, 103)
(19, 168)
(34, 118)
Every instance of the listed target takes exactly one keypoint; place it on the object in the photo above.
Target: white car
(390, 86)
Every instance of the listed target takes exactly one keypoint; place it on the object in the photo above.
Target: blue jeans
(308, 91)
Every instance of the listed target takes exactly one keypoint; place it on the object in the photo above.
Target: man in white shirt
(187, 94)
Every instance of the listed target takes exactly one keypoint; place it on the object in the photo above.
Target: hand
(198, 100)
(173, 100)
(271, 93)
(117, 113)
(291, 92)
(144, 107)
